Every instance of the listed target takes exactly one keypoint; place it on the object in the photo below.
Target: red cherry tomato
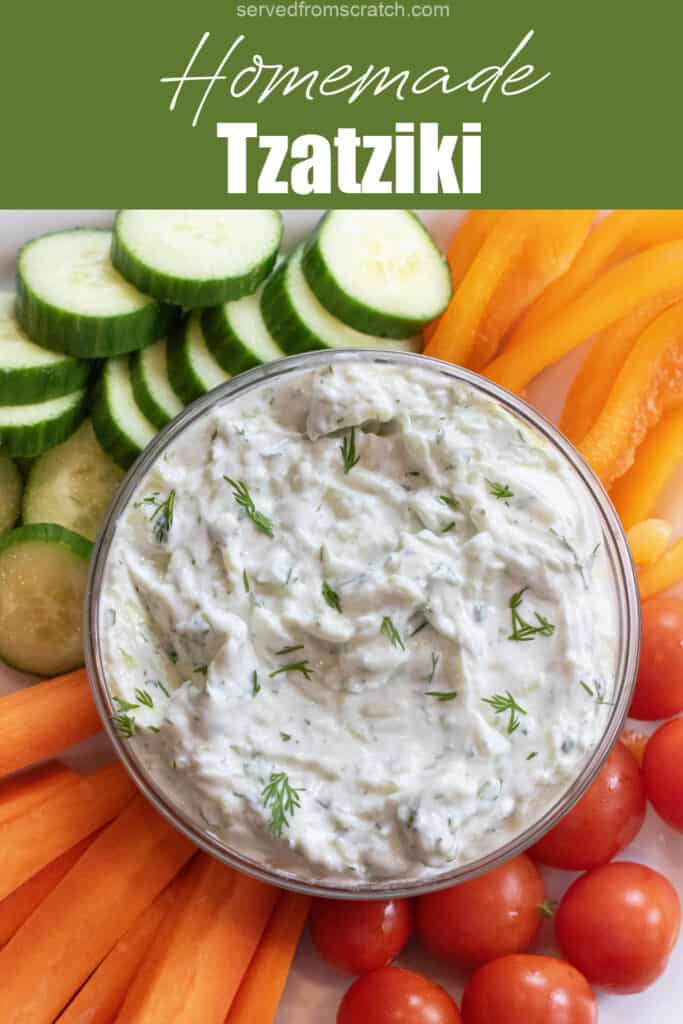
(393, 995)
(487, 917)
(528, 990)
(618, 924)
(360, 936)
(659, 688)
(604, 821)
(663, 772)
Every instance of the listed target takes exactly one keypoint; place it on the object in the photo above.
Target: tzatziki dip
(359, 622)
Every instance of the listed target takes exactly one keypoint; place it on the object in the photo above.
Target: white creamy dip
(342, 635)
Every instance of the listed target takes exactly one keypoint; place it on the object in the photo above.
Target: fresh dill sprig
(289, 650)
(331, 597)
(145, 698)
(124, 705)
(348, 450)
(522, 630)
(587, 688)
(500, 491)
(502, 703)
(596, 693)
(240, 493)
(282, 799)
(160, 686)
(245, 581)
(255, 685)
(392, 634)
(294, 666)
(451, 502)
(449, 526)
(126, 725)
(435, 662)
(442, 694)
(162, 516)
(285, 737)
(532, 755)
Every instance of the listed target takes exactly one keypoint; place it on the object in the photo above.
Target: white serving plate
(314, 989)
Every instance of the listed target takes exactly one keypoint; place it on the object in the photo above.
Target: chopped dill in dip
(364, 623)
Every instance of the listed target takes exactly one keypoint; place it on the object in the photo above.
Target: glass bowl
(627, 618)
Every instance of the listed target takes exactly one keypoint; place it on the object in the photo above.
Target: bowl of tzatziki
(362, 623)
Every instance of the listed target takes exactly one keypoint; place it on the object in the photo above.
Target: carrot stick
(665, 573)
(102, 996)
(648, 540)
(22, 792)
(71, 932)
(615, 294)
(592, 384)
(49, 829)
(636, 493)
(199, 957)
(261, 990)
(618, 236)
(41, 720)
(21, 903)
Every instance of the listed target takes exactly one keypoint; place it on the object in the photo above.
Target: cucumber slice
(71, 299)
(119, 425)
(298, 321)
(196, 257)
(11, 486)
(43, 573)
(29, 373)
(377, 270)
(151, 386)
(28, 430)
(72, 485)
(192, 368)
(237, 335)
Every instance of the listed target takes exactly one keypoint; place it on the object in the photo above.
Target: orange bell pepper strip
(665, 573)
(618, 236)
(650, 377)
(636, 493)
(614, 295)
(648, 540)
(591, 386)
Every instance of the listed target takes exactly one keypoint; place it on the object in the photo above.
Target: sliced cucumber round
(377, 270)
(28, 430)
(11, 486)
(151, 386)
(71, 299)
(119, 425)
(299, 323)
(29, 373)
(72, 485)
(196, 257)
(192, 368)
(43, 572)
(237, 335)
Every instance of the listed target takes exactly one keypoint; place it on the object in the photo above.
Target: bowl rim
(627, 624)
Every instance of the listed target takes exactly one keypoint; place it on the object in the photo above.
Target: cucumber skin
(11, 478)
(51, 533)
(180, 372)
(151, 409)
(89, 337)
(22, 386)
(225, 346)
(115, 443)
(282, 319)
(181, 292)
(39, 437)
(356, 314)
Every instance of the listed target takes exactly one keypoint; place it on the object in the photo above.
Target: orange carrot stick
(102, 996)
(665, 573)
(636, 493)
(71, 932)
(261, 990)
(650, 377)
(44, 832)
(614, 295)
(648, 540)
(19, 794)
(592, 384)
(21, 903)
(199, 957)
(618, 236)
(42, 720)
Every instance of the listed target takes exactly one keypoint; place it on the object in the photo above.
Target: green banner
(466, 103)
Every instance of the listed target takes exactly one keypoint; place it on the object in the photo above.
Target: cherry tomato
(663, 772)
(487, 917)
(659, 687)
(360, 936)
(392, 995)
(618, 924)
(604, 821)
(528, 990)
